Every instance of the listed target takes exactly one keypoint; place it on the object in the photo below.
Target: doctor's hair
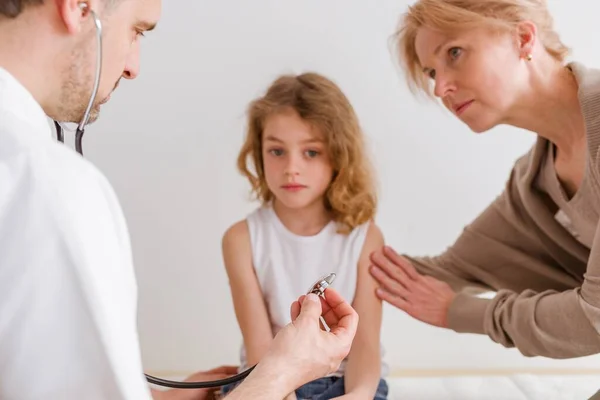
(501, 16)
(12, 8)
(351, 196)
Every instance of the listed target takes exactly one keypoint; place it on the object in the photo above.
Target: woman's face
(479, 75)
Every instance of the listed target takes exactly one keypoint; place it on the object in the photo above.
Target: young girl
(313, 179)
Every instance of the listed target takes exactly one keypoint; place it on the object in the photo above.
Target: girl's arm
(250, 308)
(363, 370)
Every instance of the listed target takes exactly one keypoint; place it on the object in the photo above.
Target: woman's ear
(526, 38)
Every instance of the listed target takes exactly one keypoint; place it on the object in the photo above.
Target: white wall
(168, 143)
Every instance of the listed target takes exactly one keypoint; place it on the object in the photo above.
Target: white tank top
(287, 264)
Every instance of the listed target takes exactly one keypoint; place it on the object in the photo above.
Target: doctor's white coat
(68, 293)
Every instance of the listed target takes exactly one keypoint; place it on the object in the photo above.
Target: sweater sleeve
(549, 323)
(539, 307)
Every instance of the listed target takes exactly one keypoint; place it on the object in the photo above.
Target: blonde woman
(495, 62)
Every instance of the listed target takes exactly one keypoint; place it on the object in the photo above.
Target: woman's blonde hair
(351, 196)
(451, 15)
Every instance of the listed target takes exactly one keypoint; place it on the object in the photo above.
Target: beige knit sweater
(547, 281)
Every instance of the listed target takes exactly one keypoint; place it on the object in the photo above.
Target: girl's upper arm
(250, 309)
(364, 361)
(366, 303)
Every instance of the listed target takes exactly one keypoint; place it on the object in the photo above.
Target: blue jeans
(332, 386)
(324, 389)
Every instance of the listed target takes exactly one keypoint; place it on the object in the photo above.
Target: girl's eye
(312, 153)
(276, 152)
(454, 52)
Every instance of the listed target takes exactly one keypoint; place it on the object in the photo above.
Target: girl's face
(296, 162)
(478, 75)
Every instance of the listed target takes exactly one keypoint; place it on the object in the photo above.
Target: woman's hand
(420, 296)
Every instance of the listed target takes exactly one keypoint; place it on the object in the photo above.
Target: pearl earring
(529, 57)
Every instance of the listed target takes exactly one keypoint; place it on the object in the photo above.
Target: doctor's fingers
(295, 309)
(339, 315)
(333, 306)
(297, 306)
(310, 310)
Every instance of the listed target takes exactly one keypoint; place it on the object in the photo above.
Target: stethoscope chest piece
(323, 283)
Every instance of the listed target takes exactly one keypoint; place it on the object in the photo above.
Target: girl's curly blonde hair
(351, 196)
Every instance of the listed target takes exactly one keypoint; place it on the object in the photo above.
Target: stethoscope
(318, 287)
(86, 115)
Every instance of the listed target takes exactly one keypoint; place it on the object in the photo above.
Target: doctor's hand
(420, 296)
(197, 394)
(303, 349)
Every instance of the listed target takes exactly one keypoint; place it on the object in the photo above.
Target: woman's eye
(312, 153)
(276, 152)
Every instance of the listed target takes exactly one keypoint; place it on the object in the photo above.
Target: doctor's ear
(75, 14)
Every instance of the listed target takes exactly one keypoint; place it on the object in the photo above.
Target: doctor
(67, 284)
